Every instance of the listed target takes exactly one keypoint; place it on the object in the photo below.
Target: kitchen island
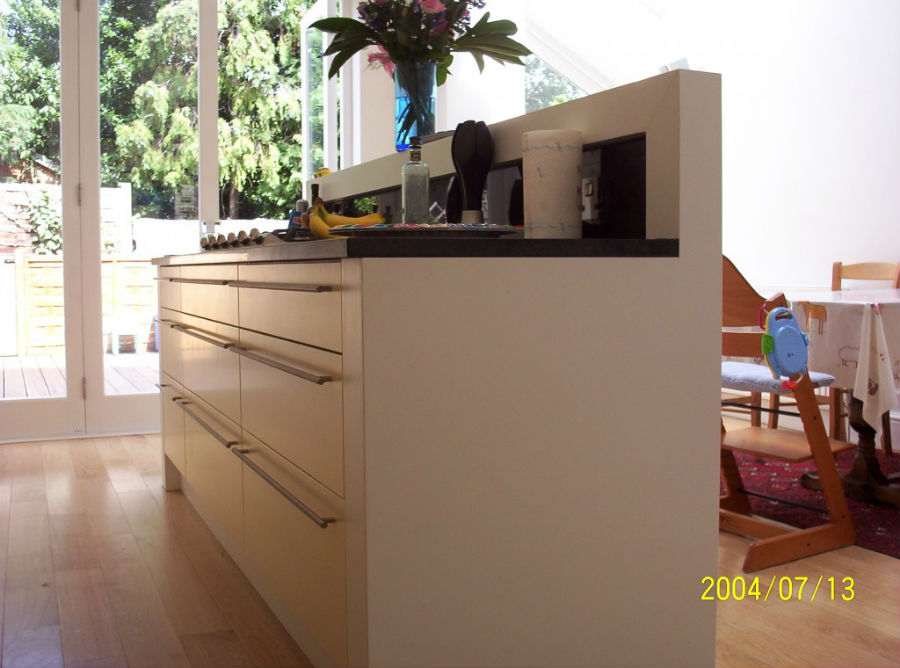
(469, 452)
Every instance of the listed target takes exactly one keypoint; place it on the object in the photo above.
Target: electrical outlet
(590, 198)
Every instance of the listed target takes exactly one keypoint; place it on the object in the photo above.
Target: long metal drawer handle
(323, 522)
(199, 420)
(168, 391)
(165, 321)
(292, 287)
(201, 281)
(300, 373)
(225, 345)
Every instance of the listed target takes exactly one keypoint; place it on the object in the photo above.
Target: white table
(855, 336)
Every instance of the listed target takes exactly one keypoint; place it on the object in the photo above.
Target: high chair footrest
(783, 444)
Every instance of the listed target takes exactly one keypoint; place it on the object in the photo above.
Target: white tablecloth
(855, 336)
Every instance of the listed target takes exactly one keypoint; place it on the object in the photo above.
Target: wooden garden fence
(35, 318)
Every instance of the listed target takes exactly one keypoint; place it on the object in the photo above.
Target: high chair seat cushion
(748, 377)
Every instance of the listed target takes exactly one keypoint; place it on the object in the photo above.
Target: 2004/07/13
(785, 588)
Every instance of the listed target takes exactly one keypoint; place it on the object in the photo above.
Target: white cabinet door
(303, 564)
(214, 473)
(172, 422)
(295, 416)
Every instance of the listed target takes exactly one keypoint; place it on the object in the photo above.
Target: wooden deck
(45, 376)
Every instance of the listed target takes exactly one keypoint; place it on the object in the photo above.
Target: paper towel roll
(551, 179)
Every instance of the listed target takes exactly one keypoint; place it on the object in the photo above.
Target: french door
(78, 354)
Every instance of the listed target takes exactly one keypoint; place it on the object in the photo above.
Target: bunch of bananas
(321, 221)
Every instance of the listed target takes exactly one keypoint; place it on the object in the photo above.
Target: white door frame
(104, 414)
(22, 419)
(85, 410)
(320, 10)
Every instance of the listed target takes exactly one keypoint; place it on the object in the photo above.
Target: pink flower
(381, 57)
(431, 6)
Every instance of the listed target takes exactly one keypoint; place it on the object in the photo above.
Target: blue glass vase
(414, 85)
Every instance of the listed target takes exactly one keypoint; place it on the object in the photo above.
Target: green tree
(259, 105)
(29, 82)
(30, 87)
(259, 138)
(156, 147)
(120, 72)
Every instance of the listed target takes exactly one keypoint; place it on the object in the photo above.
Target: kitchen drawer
(301, 563)
(170, 361)
(209, 368)
(205, 292)
(169, 287)
(172, 422)
(296, 416)
(214, 474)
(300, 301)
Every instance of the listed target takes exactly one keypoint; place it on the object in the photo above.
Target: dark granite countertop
(398, 247)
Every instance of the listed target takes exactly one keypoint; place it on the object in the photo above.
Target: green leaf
(337, 24)
(479, 58)
(339, 61)
(495, 42)
(355, 45)
(501, 27)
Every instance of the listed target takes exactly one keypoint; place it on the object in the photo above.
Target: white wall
(811, 102)
(811, 129)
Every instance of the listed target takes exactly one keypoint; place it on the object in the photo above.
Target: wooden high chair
(778, 543)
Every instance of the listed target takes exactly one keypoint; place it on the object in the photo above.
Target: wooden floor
(45, 375)
(862, 632)
(100, 567)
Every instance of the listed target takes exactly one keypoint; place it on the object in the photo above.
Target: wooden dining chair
(864, 271)
(777, 543)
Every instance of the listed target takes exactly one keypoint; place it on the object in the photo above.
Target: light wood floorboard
(100, 567)
(862, 632)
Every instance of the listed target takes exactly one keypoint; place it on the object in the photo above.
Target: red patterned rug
(877, 526)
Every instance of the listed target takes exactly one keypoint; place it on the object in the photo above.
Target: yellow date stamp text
(783, 588)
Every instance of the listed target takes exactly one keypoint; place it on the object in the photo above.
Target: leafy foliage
(407, 31)
(29, 77)
(45, 222)
(545, 87)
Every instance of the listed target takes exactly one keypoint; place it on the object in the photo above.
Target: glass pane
(148, 162)
(32, 322)
(317, 100)
(545, 87)
(260, 131)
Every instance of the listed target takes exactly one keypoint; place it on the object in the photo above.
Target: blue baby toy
(784, 346)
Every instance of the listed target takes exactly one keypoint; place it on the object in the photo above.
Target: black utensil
(479, 166)
(454, 208)
(516, 212)
(462, 152)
